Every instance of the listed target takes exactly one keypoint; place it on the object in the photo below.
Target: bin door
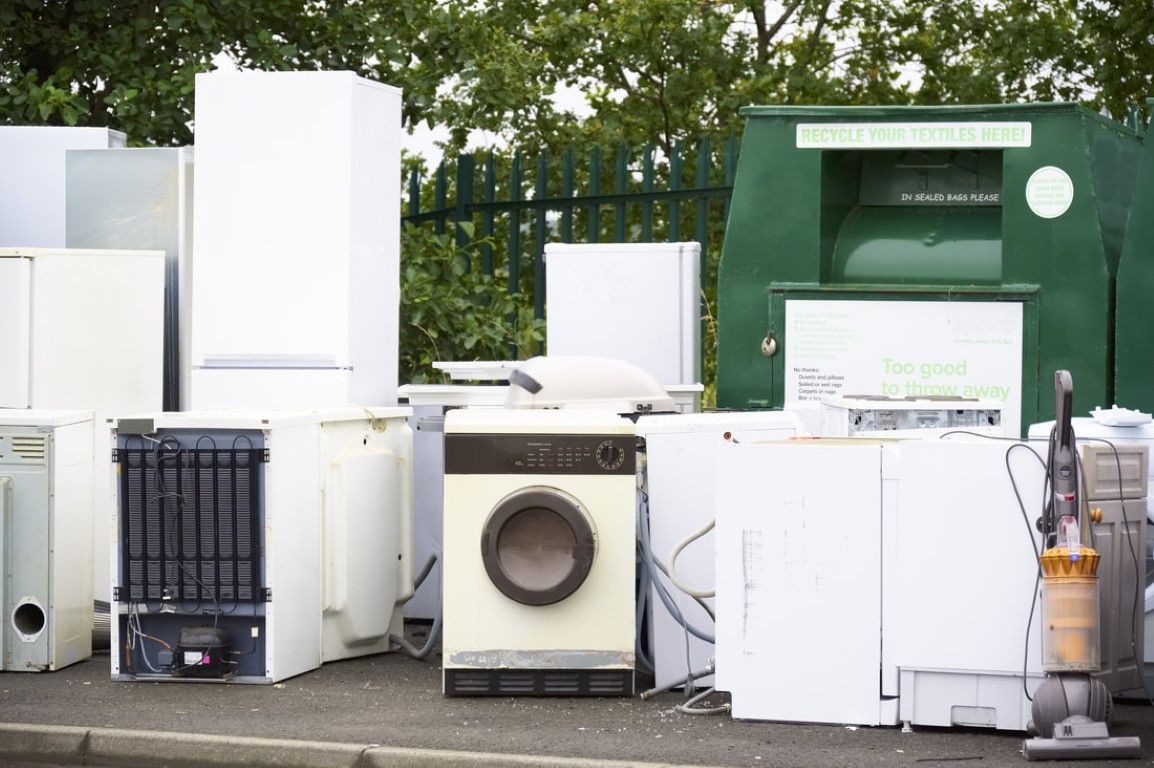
(15, 337)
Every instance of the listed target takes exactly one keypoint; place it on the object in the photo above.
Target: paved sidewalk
(396, 703)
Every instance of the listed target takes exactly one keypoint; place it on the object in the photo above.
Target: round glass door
(538, 546)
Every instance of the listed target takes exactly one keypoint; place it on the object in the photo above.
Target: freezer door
(258, 388)
(15, 340)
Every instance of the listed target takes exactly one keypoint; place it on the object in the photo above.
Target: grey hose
(683, 681)
(435, 630)
(423, 651)
(688, 709)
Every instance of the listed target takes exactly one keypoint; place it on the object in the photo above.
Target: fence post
(465, 166)
(540, 193)
(674, 186)
(704, 152)
(414, 192)
(619, 188)
(647, 189)
(595, 191)
(515, 226)
(439, 192)
(567, 192)
(487, 219)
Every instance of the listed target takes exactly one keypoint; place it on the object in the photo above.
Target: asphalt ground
(394, 701)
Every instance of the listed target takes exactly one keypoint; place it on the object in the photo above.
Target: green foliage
(451, 310)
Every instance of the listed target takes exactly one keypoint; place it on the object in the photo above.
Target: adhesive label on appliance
(1049, 192)
(906, 349)
(935, 135)
(193, 657)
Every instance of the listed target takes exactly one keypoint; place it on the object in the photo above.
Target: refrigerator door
(269, 388)
(15, 338)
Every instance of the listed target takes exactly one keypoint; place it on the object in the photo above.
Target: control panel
(474, 454)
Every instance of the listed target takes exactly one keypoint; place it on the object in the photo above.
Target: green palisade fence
(516, 204)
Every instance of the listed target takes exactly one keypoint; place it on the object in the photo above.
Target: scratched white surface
(799, 581)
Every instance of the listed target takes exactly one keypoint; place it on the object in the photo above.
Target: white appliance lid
(586, 383)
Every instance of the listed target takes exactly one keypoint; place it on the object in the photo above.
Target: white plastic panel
(799, 581)
(634, 302)
(15, 340)
(32, 195)
(361, 544)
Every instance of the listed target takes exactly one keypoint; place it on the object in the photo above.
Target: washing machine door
(538, 546)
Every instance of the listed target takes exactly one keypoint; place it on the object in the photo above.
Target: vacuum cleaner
(1072, 709)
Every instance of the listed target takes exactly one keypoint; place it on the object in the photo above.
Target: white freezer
(32, 195)
(341, 478)
(639, 302)
(297, 226)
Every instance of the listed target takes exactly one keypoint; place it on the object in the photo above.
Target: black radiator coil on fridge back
(190, 523)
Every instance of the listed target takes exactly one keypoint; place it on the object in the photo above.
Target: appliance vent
(29, 448)
(539, 682)
(190, 525)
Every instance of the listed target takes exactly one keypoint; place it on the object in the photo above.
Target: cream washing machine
(539, 546)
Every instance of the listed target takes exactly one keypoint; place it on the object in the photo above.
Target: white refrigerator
(296, 291)
(32, 196)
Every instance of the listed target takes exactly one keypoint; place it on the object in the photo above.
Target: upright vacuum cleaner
(1072, 708)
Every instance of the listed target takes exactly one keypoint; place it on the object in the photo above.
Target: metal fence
(519, 205)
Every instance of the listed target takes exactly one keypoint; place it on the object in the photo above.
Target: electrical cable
(1033, 548)
(681, 545)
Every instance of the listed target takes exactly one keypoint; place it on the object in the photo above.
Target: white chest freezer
(297, 525)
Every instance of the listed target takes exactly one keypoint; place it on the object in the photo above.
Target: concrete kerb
(68, 745)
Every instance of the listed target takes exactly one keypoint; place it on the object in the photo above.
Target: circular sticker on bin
(1049, 192)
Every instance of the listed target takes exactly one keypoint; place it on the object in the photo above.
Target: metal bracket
(264, 456)
(266, 593)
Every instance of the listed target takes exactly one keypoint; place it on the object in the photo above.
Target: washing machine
(539, 545)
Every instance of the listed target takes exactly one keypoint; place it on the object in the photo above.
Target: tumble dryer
(539, 543)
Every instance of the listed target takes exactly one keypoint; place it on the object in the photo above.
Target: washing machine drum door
(538, 546)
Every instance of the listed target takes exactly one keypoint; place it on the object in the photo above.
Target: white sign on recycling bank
(1049, 192)
(906, 349)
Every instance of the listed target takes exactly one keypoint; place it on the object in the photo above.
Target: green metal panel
(951, 221)
(1134, 324)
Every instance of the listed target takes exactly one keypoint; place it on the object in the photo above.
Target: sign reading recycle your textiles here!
(906, 349)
